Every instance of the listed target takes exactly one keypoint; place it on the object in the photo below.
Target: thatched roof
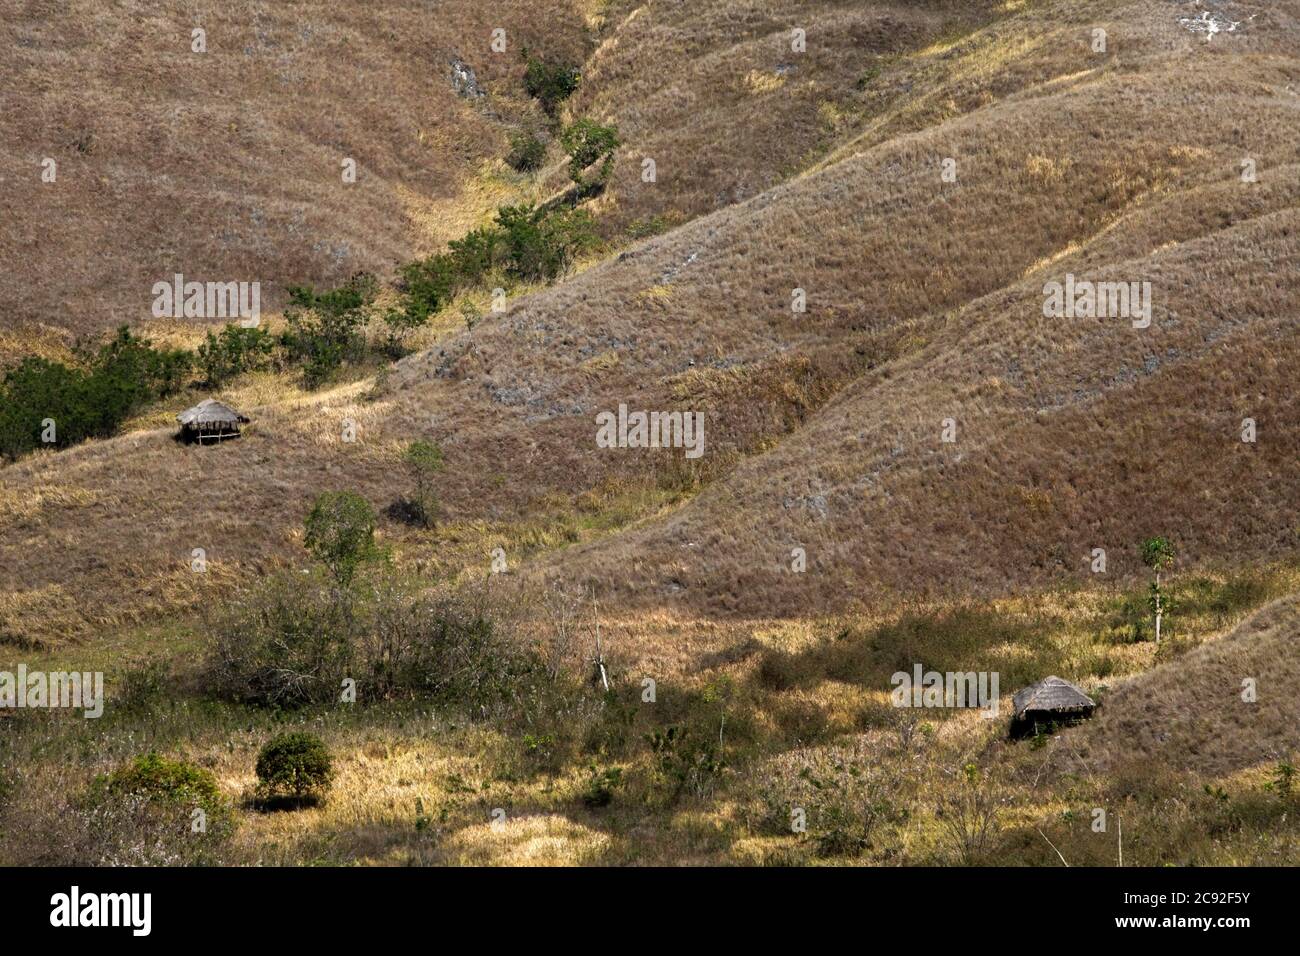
(210, 412)
(1051, 693)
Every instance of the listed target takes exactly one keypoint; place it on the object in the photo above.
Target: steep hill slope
(226, 164)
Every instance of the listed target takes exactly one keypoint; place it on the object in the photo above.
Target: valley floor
(766, 742)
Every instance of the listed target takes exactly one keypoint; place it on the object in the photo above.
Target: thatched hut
(210, 420)
(1049, 703)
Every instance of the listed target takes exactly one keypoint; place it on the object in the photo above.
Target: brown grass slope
(717, 95)
(1190, 714)
(823, 428)
(1073, 434)
(225, 165)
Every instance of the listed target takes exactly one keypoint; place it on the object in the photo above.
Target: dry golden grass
(820, 702)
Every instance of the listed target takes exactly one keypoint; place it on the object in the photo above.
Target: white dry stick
(1119, 826)
(1051, 844)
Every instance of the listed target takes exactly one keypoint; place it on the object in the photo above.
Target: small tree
(425, 460)
(399, 324)
(324, 329)
(586, 142)
(1158, 555)
(340, 532)
(548, 81)
(1283, 779)
(234, 351)
(294, 769)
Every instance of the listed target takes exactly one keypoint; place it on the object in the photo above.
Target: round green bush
(294, 768)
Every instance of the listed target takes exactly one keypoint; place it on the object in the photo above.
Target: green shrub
(686, 762)
(232, 352)
(152, 811)
(324, 329)
(474, 255)
(840, 800)
(1282, 779)
(527, 151)
(399, 324)
(424, 459)
(292, 641)
(541, 245)
(165, 780)
(286, 643)
(647, 227)
(524, 243)
(36, 390)
(427, 285)
(340, 532)
(356, 293)
(601, 784)
(588, 142)
(88, 400)
(294, 769)
(322, 342)
(548, 81)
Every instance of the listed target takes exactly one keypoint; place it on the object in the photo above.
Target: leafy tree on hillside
(540, 245)
(36, 390)
(427, 285)
(527, 151)
(425, 461)
(325, 328)
(587, 142)
(294, 770)
(1158, 555)
(89, 400)
(357, 292)
(340, 532)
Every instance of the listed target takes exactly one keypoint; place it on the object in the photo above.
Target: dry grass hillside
(924, 302)
(162, 165)
(225, 165)
(717, 95)
(1193, 714)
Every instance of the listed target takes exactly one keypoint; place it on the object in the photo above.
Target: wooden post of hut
(210, 420)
